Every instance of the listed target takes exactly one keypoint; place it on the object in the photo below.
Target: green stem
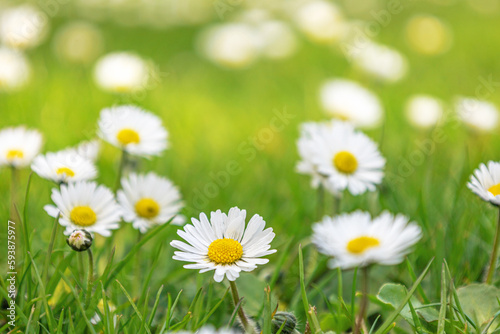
(241, 314)
(494, 254)
(13, 193)
(321, 202)
(123, 163)
(336, 204)
(138, 273)
(364, 302)
(90, 277)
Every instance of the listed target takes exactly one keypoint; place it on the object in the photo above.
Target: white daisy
(149, 200)
(64, 167)
(357, 240)
(223, 244)
(23, 27)
(78, 42)
(278, 39)
(339, 157)
(85, 205)
(122, 72)
(14, 69)
(380, 61)
(424, 111)
(347, 100)
(319, 20)
(231, 45)
(87, 149)
(486, 182)
(477, 114)
(134, 130)
(19, 146)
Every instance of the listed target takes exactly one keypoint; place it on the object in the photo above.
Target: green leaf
(479, 301)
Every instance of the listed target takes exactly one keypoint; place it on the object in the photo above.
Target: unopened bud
(284, 317)
(79, 240)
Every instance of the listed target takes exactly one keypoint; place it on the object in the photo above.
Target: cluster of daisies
(144, 200)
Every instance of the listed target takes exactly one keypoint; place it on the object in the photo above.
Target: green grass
(212, 116)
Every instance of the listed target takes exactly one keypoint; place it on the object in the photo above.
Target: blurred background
(233, 80)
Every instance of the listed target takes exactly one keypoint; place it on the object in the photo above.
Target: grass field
(224, 153)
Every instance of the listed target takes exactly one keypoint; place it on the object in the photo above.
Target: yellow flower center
(147, 208)
(345, 162)
(495, 190)
(83, 216)
(225, 251)
(341, 115)
(65, 170)
(13, 154)
(361, 244)
(127, 136)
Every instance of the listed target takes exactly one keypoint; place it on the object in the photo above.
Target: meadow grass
(213, 116)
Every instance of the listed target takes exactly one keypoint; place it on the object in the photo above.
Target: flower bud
(79, 240)
(284, 317)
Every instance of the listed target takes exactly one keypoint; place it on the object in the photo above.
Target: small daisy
(134, 130)
(149, 200)
(223, 244)
(339, 157)
(424, 111)
(486, 182)
(357, 240)
(122, 72)
(78, 42)
(85, 205)
(64, 167)
(87, 149)
(278, 39)
(23, 27)
(477, 114)
(347, 100)
(19, 146)
(14, 69)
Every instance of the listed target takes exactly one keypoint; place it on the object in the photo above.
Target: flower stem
(90, 277)
(320, 207)
(241, 314)
(123, 164)
(13, 193)
(494, 253)
(364, 302)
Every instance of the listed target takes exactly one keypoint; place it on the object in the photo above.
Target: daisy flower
(223, 244)
(477, 114)
(85, 205)
(134, 130)
(19, 146)
(347, 100)
(23, 27)
(87, 149)
(486, 182)
(424, 111)
(148, 200)
(357, 240)
(78, 42)
(122, 72)
(14, 69)
(64, 167)
(339, 157)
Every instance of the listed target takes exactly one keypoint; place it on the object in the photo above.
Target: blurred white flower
(224, 244)
(19, 146)
(380, 61)
(486, 182)
(23, 27)
(122, 72)
(357, 240)
(64, 166)
(477, 114)
(231, 45)
(348, 100)
(339, 157)
(88, 149)
(424, 111)
(278, 40)
(85, 205)
(148, 200)
(14, 69)
(428, 35)
(78, 42)
(137, 131)
(320, 20)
